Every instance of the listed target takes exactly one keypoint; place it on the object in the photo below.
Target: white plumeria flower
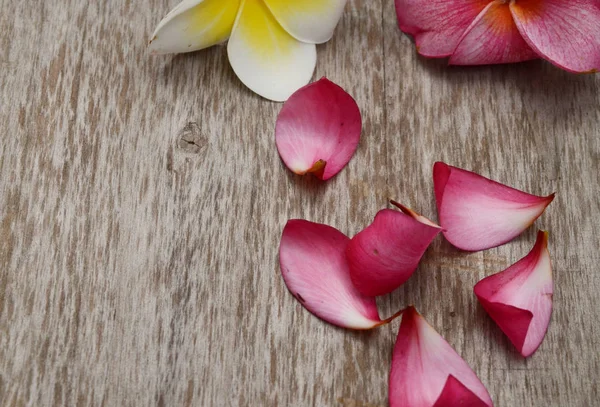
(271, 42)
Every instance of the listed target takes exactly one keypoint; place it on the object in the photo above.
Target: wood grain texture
(142, 200)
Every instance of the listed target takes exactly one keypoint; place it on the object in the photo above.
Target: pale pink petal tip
(427, 372)
(519, 298)
(318, 129)
(314, 267)
(387, 252)
(477, 213)
(565, 32)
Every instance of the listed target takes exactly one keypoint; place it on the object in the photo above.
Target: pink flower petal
(565, 32)
(318, 129)
(456, 394)
(437, 25)
(478, 213)
(427, 372)
(493, 38)
(386, 253)
(314, 268)
(519, 298)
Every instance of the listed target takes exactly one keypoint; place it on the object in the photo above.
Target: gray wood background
(142, 201)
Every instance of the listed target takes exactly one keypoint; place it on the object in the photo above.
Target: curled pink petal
(314, 268)
(318, 129)
(456, 394)
(565, 32)
(477, 213)
(519, 298)
(427, 372)
(493, 38)
(437, 25)
(386, 253)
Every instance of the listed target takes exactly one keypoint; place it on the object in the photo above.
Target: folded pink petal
(565, 32)
(437, 25)
(386, 253)
(313, 265)
(456, 394)
(493, 38)
(318, 129)
(477, 213)
(519, 298)
(427, 372)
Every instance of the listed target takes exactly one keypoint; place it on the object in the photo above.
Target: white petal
(265, 57)
(311, 21)
(194, 25)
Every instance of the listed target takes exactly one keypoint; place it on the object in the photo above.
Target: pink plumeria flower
(271, 42)
(478, 32)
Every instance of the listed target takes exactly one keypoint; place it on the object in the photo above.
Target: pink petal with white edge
(519, 298)
(493, 38)
(427, 372)
(387, 252)
(565, 32)
(318, 129)
(477, 213)
(314, 268)
(437, 25)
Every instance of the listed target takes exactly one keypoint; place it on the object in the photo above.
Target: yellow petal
(265, 57)
(194, 25)
(310, 21)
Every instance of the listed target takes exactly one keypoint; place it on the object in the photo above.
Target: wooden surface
(142, 200)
